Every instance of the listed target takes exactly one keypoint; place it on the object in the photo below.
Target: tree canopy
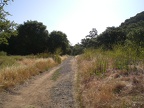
(31, 39)
(130, 30)
(57, 40)
(130, 33)
(7, 28)
(34, 38)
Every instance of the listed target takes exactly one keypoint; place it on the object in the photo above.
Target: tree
(92, 33)
(32, 38)
(4, 2)
(135, 38)
(7, 28)
(57, 40)
(90, 40)
(77, 49)
(110, 37)
(136, 19)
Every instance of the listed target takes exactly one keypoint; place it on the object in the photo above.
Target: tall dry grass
(110, 79)
(25, 69)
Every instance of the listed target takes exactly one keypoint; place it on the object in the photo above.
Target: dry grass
(27, 68)
(112, 88)
(64, 57)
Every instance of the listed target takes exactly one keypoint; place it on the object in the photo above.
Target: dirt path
(46, 90)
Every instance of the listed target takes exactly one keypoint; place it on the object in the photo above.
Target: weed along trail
(52, 89)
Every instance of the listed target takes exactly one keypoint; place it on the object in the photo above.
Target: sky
(75, 18)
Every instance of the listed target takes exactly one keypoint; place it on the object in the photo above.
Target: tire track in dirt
(62, 93)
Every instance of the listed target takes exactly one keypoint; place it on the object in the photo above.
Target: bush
(43, 55)
(57, 58)
(2, 53)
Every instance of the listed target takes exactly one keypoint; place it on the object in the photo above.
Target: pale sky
(74, 17)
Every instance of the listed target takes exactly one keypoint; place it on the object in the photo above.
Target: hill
(133, 20)
(131, 31)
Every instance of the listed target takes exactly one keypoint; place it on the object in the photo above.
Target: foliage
(110, 78)
(99, 61)
(135, 38)
(7, 28)
(2, 53)
(56, 74)
(77, 49)
(129, 33)
(4, 2)
(92, 33)
(8, 61)
(44, 55)
(90, 40)
(111, 36)
(133, 20)
(58, 40)
(56, 58)
(32, 39)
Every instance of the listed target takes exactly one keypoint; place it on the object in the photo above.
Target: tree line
(129, 34)
(32, 37)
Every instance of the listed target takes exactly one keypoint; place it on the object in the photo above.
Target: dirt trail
(43, 92)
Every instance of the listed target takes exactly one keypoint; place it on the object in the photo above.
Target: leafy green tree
(90, 40)
(92, 33)
(32, 38)
(7, 28)
(129, 33)
(77, 49)
(135, 38)
(133, 20)
(110, 37)
(57, 40)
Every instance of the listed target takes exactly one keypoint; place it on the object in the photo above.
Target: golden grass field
(17, 69)
(103, 84)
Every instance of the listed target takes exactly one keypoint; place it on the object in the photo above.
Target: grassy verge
(6, 61)
(16, 69)
(56, 75)
(111, 79)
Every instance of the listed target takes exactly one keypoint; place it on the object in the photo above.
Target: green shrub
(121, 58)
(57, 58)
(2, 53)
(43, 55)
(6, 61)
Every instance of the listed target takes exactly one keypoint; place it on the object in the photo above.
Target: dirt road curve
(44, 92)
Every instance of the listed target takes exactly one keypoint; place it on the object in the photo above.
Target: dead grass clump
(13, 75)
(138, 85)
(118, 87)
(114, 88)
(64, 57)
(9, 76)
(26, 61)
(44, 64)
(97, 94)
(86, 68)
